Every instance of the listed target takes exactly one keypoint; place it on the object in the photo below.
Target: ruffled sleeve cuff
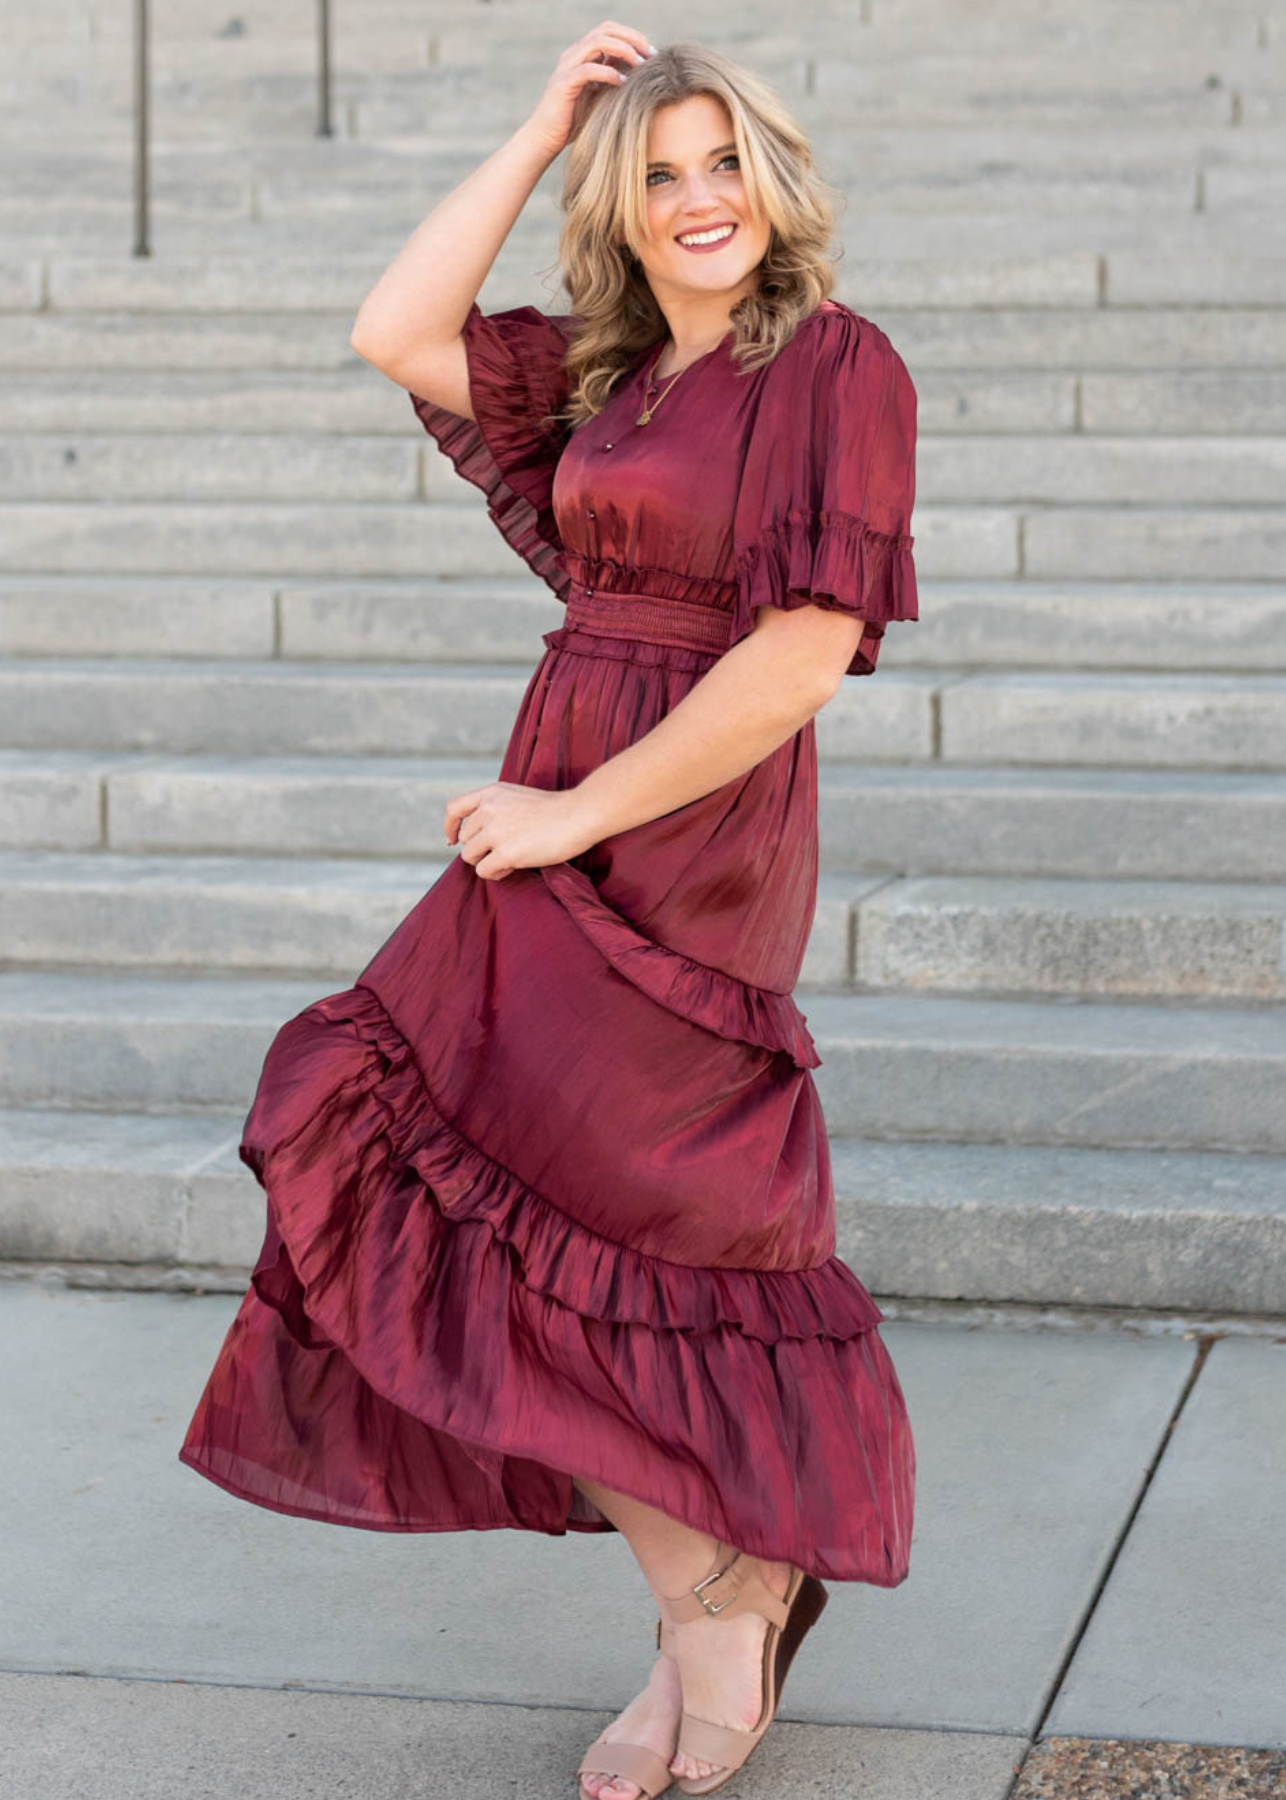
(832, 560)
(507, 450)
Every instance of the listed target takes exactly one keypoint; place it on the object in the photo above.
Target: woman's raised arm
(409, 325)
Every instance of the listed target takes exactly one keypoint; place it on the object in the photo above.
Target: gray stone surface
(1078, 1226)
(148, 1740)
(1081, 469)
(296, 805)
(417, 620)
(260, 708)
(1147, 721)
(187, 1579)
(102, 615)
(1113, 1074)
(1181, 940)
(1000, 1222)
(141, 1042)
(229, 538)
(52, 800)
(207, 912)
(1181, 543)
(1109, 625)
(1187, 1640)
(936, 819)
(90, 1186)
(192, 465)
(922, 819)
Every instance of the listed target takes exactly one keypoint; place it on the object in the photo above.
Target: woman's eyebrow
(717, 151)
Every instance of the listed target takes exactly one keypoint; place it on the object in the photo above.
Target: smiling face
(694, 188)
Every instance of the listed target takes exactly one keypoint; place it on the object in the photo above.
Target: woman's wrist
(592, 821)
(535, 144)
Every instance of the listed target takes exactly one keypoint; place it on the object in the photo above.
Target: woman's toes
(601, 1787)
(691, 1767)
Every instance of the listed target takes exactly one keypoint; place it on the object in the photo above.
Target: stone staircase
(254, 631)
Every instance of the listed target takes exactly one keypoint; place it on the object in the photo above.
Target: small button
(607, 446)
(589, 590)
(590, 514)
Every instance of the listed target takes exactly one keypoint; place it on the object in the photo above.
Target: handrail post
(142, 119)
(142, 246)
(323, 69)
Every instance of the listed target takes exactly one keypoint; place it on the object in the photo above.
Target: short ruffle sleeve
(516, 377)
(824, 503)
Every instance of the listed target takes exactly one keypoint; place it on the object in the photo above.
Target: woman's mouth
(712, 237)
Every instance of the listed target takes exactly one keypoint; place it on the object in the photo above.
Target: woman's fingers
(613, 32)
(587, 63)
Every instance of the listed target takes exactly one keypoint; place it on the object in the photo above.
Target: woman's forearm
(743, 707)
(424, 295)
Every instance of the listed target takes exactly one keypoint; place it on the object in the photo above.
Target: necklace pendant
(644, 418)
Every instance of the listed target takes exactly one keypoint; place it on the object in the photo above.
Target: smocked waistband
(649, 617)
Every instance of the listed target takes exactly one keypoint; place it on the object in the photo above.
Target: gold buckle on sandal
(717, 1576)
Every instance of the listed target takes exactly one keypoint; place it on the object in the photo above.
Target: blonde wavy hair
(604, 200)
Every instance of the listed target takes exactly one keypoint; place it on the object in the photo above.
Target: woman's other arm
(756, 696)
(409, 325)
(748, 703)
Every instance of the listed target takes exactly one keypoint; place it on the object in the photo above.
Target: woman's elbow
(813, 645)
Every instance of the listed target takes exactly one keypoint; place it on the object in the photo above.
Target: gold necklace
(645, 417)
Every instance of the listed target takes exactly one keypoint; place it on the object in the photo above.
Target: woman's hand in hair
(590, 61)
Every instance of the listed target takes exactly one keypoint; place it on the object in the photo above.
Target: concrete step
(1172, 939)
(1180, 91)
(1110, 824)
(1154, 721)
(456, 538)
(1082, 469)
(461, 34)
(212, 912)
(140, 1042)
(898, 819)
(1105, 1074)
(953, 404)
(1133, 340)
(103, 467)
(954, 935)
(1076, 1227)
(949, 1221)
(317, 172)
(181, 195)
(126, 1187)
(389, 86)
(1096, 1074)
(1131, 625)
(278, 708)
(971, 233)
(1017, 469)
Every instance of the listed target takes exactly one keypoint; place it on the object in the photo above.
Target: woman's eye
(731, 157)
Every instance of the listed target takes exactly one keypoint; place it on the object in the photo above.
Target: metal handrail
(142, 111)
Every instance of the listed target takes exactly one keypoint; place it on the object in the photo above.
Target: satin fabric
(548, 1189)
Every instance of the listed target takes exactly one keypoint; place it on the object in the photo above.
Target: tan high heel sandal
(649, 1772)
(734, 1583)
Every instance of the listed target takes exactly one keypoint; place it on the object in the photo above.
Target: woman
(551, 1228)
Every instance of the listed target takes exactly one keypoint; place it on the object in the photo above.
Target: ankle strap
(737, 1585)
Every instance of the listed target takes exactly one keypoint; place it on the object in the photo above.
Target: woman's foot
(651, 1719)
(721, 1665)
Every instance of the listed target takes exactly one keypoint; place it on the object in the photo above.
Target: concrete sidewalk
(1097, 1583)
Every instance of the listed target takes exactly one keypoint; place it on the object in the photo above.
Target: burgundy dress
(548, 1189)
